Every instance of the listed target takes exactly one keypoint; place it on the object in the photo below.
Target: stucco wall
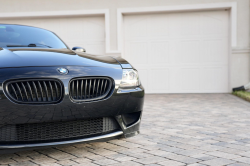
(239, 60)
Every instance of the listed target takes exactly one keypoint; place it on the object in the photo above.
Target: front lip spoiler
(117, 133)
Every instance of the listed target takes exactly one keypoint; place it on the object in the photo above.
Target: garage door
(179, 52)
(87, 32)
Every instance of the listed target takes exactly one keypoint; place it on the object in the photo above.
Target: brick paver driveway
(183, 129)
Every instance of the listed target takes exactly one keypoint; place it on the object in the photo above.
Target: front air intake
(60, 130)
(90, 88)
(34, 91)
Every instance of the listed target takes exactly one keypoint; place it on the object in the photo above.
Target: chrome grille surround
(34, 91)
(87, 89)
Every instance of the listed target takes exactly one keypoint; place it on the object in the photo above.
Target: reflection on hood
(23, 57)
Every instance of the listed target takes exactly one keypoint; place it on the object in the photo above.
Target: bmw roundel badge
(63, 70)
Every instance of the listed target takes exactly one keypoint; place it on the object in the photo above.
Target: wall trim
(196, 7)
(241, 50)
(48, 14)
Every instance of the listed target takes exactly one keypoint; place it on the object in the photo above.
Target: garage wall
(239, 60)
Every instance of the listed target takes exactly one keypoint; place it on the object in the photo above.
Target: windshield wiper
(30, 45)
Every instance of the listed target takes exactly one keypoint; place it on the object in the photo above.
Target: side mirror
(79, 49)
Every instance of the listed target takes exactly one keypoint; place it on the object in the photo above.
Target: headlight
(130, 78)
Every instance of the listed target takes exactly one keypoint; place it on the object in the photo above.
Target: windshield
(18, 35)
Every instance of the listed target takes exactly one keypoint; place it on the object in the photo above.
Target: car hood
(30, 57)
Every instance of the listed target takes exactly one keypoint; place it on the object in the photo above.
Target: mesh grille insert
(57, 130)
(89, 89)
(35, 91)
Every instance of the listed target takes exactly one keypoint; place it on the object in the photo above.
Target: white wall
(239, 67)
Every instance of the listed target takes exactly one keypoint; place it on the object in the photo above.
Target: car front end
(55, 96)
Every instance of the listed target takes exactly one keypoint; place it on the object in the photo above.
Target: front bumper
(115, 106)
(34, 145)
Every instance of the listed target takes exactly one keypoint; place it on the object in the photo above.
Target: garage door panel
(190, 24)
(137, 51)
(211, 80)
(214, 24)
(190, 79)
(70, 29)
(94, 24)
(158, 31)
(159, 79)
(136, 27)
(50, 24)
(159, 52)
(175, 26)
(215, 51)
(183, 52)
(175, 79)
(189, 51)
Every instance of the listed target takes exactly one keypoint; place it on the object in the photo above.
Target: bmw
(53, 95)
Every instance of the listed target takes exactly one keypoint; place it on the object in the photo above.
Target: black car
(52, 95)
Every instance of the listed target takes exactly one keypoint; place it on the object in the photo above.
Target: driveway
(177, 129)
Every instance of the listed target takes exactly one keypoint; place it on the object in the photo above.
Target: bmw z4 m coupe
(51, 95)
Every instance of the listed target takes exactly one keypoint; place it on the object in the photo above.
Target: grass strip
(242, 94)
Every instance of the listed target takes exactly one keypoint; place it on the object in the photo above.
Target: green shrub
(243, 94)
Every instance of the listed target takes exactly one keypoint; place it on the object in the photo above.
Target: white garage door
(86, 32)
(179, 52)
